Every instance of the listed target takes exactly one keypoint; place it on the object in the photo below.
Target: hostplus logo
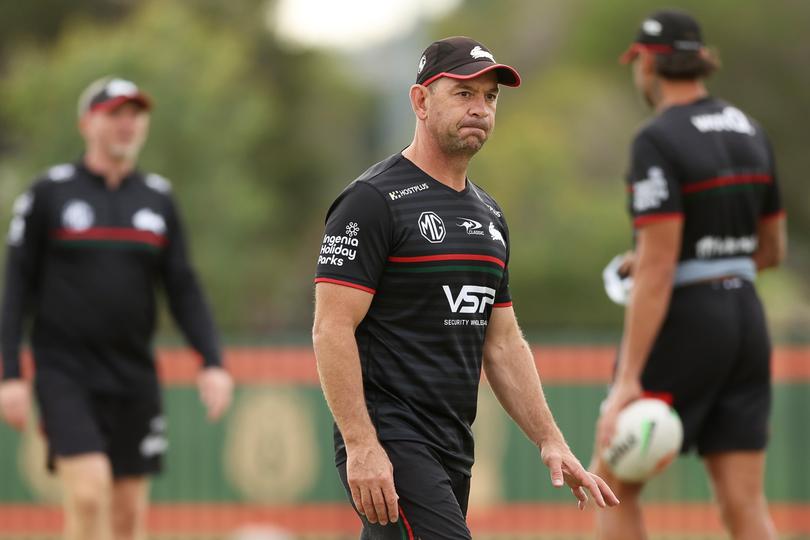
(431, 227)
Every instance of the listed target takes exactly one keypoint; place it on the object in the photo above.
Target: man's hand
(371, 480)
(621, 394)
(565, 468)
(216, 390)
(15, 403)
(628, 264)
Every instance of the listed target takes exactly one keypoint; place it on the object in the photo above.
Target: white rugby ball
(648, 437)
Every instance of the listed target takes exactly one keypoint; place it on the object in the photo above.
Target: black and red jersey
(86, 261)
(711, 165)
(436, 261)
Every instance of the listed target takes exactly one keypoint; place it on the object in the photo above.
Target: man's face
(644, 77)
(119, 133)
(461, 113)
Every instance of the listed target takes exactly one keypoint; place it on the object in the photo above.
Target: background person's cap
(461, 58)
(665, 32)
(110, 92)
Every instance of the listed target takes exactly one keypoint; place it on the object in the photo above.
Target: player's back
(712, 164)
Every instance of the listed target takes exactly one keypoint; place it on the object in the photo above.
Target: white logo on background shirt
(730, 119)
(147, 220)
(431, 227)
(715, 246)
(336, 249)
(651, 192)
(77, 215)
(352, 229)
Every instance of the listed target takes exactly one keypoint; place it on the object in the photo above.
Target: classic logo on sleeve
(431, 227)
(651, 192)
(337, 249)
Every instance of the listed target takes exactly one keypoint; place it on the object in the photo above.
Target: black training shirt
(86, 260)
(436, 262)
(710, 164)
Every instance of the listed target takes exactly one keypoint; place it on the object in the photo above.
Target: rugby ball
(648, 437)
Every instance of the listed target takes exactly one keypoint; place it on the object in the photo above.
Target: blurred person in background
(89, 244)
(412, 298)
(707, 218)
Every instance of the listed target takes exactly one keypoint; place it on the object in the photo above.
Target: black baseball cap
(665, 32)
(107, 93)
(461, 57)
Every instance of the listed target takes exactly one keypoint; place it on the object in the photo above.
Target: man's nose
(478, 107)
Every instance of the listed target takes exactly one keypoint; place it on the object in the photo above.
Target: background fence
(269, 465)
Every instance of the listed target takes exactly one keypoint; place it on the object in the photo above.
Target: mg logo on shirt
(470, 299)
(431, 227)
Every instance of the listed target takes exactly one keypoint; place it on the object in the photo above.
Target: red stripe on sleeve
(345, 284)
(503, 304)
(652, 218)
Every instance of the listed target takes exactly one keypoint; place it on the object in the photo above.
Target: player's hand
(15, 402)
(566, 469)
(621, 394)
(371, 480)
(216, 390)
(628, 264)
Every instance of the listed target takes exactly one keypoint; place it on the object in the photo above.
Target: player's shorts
(712, 356)
(432, 498)
(129, 429)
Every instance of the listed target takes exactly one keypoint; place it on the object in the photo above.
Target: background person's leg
(130, 499)
(86, 482)
(623, 522)
(737, 481)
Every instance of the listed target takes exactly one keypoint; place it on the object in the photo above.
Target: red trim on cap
(652, 218)
(476, 74)
(345, 284)
(634, 49)
(117, 101)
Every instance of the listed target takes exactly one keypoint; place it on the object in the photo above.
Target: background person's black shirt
(436, 262)
(86, 261)
(710, 164)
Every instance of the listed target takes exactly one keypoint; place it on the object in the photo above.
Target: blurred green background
(258, 135)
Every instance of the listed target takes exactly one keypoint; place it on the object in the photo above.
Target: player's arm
(771, 242)
(338, 312)
(512, 374)
(190, 310)
(657, 247)
(26, 237)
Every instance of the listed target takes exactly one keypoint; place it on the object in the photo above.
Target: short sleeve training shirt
(436, 261)
(711, 165)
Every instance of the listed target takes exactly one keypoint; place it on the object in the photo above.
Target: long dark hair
(686, 65)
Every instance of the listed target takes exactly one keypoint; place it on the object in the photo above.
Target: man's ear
(419, 97)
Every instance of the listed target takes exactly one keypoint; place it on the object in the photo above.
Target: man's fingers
(380, 505)
(391, 501)
(582, 497)
(368, 505)
(555, 469)
(610, 498)
(358, 504)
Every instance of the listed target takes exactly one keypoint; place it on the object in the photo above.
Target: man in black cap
(89, 243)
(707, 218)
(412, 298)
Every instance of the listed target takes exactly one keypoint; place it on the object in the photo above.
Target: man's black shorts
(712, 356)
(129, 429)
(432, 498)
